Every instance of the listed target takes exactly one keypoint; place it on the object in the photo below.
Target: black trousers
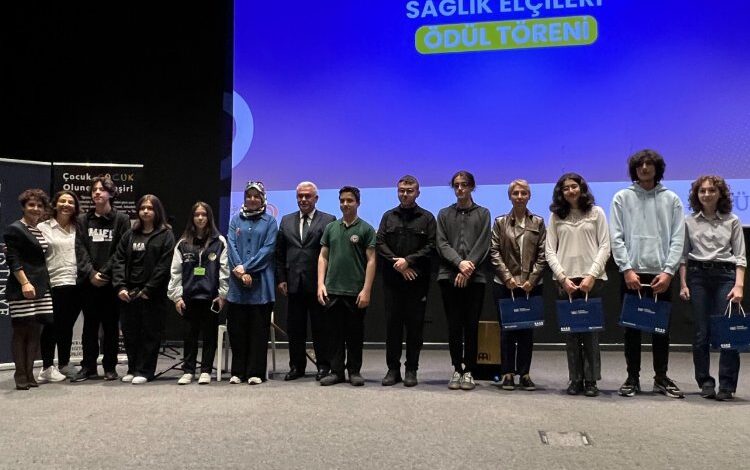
(200, 319)
(25, 346)
(300, 305)
(405, 305)
(100, 308)
(633, 337)
(249, 327)
(583, 351)
(346, 330)
(142, 328)
(463, 307)
(516, 346)
(66, 304)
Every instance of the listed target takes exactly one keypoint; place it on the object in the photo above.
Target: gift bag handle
(586, 299)
(728, 310)
(513, 297)
(656, 299)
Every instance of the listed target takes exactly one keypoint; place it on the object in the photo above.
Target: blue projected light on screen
(361, 93)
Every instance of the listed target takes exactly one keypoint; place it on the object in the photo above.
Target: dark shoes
(111, 375)
(356, 379)
(527, 384)
(631, 386)
(590, 389)
(391, 378)
(331, 379)
(665, 386)
(708, 390)
(509, 382)
(574, 388)
(294, 374)
(321, 373)
(724, 395)
(84, 374)
(410, 378)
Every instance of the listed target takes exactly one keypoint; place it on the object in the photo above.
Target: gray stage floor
(299, 424)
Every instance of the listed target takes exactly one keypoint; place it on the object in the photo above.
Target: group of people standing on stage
(326, 268)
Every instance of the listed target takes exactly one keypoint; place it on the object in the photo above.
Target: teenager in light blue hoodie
(647, 226)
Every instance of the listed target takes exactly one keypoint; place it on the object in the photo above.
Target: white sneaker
(128, 378)
(50, 374)
(139, 380)
(467, 382)
(205, 378)
(235, 380)
(185, 379)
(254, 381)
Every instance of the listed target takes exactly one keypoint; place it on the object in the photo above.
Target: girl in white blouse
(577, 250)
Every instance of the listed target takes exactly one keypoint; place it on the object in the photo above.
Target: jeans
(708, 294)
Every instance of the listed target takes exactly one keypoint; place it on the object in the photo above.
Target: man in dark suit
(297, 251)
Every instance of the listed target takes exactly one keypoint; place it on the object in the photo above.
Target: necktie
(305, 226)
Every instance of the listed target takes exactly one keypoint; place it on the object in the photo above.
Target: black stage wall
(147, 82)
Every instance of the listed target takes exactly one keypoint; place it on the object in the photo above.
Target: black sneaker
(724, 395)
(410, 378)
(665, 386)
(590, 389)
(527, 384)
(111, 375)
(631, 386)
(331, 379)
(84, 374)
(708, 390)
(356, 379)
(574, 388)
(391, 378)
(509, 382)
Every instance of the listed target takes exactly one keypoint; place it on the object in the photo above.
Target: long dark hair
(723, 205)
(191, 231)
(76, 204)
(160, 217)
(560, 206)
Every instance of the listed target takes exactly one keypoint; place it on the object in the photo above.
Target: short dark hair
(160, 216)
(350, 189)
(408, 179)
(723, 206)
(466, 175)
(34, 193)
(646, 155)
(560, 206)
(107, 184)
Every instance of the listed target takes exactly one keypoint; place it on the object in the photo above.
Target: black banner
(15, 177)
(77, 177)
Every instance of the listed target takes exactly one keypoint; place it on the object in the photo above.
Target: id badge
(199, 271)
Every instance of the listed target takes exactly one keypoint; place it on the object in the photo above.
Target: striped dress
(29, 308)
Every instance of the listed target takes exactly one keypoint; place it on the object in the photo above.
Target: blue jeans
(708, 293)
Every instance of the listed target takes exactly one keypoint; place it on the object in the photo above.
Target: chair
(222, 350)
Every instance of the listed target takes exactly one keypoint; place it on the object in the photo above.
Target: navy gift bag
(519, 313)
(580, 315)
(647, 314)
(730, 332)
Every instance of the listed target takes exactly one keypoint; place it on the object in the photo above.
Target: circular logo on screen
(212, 257)
(354, 238)
(273, 210)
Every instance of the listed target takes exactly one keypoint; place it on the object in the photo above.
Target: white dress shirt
(61, 255)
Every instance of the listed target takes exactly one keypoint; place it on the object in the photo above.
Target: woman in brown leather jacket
(518, 261)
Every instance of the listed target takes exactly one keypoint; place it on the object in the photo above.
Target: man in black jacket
(297, 251)
(405, 243)
(101, 229)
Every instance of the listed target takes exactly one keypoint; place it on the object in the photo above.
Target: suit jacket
(297, 260)
(23, 252)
